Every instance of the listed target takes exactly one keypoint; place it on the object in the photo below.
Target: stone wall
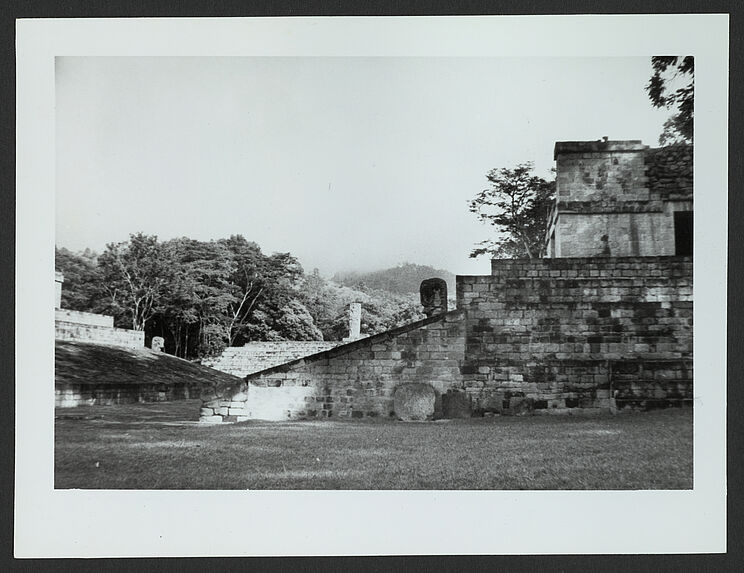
(594, 171)
(257, 356)
(69, 395)
(352, 380)
(536, 336)
(555, 334)
(618, 198)
(97, 328)
(615, 234)
(669, 172)
(99, 334)
(79, 317)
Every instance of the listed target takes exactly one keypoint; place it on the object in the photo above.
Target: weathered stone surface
(565, 331)
(158, 344)
(257, 356)
(211, 419)
(359, 377)
(98, 334)
(456, 404)
(619, 198)
(414, 402)
(521, 406)
(355, 322)
(433, 295)
(538, 336)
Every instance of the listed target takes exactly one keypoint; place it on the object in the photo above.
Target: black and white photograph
(373, 273)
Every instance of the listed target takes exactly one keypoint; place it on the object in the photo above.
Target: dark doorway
(683, 233)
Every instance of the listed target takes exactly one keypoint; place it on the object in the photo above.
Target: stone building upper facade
(621, 198)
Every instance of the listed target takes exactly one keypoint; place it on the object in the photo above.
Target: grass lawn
(161, 446)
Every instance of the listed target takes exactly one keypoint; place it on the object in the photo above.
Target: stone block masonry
(353, 380)
(604, 234)
(620, 198)
(74, 325)
(550, 336)
(256, 356)
(555, 334)
(595, 171)
(602, 325)
(98, 328)
(536, 336)
(83, 318)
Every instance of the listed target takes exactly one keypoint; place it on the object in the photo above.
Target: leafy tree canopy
(672, 86)
(517, 205)
(81, 287)
(135, 274)
(204, 295)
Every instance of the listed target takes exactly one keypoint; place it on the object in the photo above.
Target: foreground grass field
(161, 446)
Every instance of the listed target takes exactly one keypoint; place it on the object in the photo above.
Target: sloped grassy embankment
(87, 374)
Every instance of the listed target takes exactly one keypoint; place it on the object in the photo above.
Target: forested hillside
(405, 278)
(202, 296)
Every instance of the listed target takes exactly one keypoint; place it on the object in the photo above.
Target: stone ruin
(601, 325)
(621, 199)
(80, 326)
(433, 295)
(257, 356)
(355, 322)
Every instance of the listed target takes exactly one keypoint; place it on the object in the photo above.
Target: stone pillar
(433, 294)
(355, 322)
(158, 344)
(59, 278)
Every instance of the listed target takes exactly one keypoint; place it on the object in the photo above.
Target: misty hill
(404, 278)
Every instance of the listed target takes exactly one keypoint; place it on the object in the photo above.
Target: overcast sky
(347, 163)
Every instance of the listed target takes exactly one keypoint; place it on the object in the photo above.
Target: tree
(671, 71)
(198, 296)
(296, 323)
(321, 298)
(262, 288)
(247, 283)
(82, 288)
(517, 204)
(135, 274)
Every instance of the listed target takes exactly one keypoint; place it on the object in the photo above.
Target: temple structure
(603, 324)
(621, 199)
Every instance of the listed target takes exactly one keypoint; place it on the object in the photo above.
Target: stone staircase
(257, 356)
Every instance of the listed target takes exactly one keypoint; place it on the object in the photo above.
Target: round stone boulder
(414, 402)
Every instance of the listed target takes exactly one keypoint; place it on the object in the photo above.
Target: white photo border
(86, 523)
